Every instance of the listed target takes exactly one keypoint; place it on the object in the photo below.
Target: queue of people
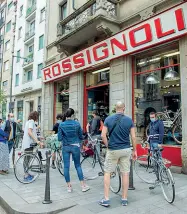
(118, 127)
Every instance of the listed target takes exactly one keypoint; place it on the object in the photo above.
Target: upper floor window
(42, 15)
(17, 80)
(32, 26)
(29, 76)
(41, 42)
(10, 5)
(63, 11)
(8, 26)
(5, 83)
(19, 32)
(21, 11)
(18, 56)
(2, 14)
(39, 74)
(7, 45)
(6, 65)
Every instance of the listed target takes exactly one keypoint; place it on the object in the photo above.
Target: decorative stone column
(121, 83)
(183, 74)
(76, 87)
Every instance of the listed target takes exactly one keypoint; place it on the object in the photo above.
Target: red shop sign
(161, 28)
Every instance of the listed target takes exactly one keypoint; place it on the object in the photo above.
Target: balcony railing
(31, 9)
(86, 13)
(29, 34)
(30, 59)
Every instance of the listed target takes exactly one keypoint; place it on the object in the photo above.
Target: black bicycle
(94, 152)
(154, 170)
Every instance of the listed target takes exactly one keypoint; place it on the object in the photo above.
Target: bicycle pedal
(100, 174)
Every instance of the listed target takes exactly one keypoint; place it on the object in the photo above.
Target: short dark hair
(95, 112)
(33, 116)
(59, 116)
(69, 112)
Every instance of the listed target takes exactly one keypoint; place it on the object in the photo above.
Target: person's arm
(104, 135)
(4, 134)
(60, 134)
(133, 138)
(161, 132)
(93, 126)
(87, 127)
(30, 131)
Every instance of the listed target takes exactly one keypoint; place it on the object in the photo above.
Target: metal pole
(11, 79)
(131, 183)
(47, 182)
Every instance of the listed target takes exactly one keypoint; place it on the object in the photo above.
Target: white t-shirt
(27, 140)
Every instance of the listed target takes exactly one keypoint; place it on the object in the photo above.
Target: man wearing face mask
(10, 129)
(156, 131)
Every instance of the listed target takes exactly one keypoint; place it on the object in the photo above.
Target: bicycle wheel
(115, 180)
(59, 163)
(177, 131)
(167, 185)
(101, 157)
(89, 168)
(144, 168)
(27, 164)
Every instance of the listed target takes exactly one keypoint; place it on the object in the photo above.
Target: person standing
(30, 137)
(59, 119)
(119, 127)
(10, 129)
(156, 132)
(4, 152)
(71, 135)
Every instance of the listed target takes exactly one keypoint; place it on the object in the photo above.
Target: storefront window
(97, 89)
(61, 97)
(157, 89)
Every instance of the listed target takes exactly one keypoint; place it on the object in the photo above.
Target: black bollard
(131, 183)
(47, 182)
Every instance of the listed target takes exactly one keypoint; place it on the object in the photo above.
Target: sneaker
(85, 188)
(53, 166)
(124, 202)
(29, 178)
(105, 203)
(69, 189)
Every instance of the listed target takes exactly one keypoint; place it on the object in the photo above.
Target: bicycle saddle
(33, 145)
(158, 149)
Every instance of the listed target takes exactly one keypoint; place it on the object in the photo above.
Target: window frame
(7, 29)
(61, 13)
(18, 59)
(21, 11)
(39, 47)
(39, 72)
(27, 74)
(8, 42)
(17, 83)
(10, 5)
(6, 64)
(6, 81)
(43, 11)
(20, 33)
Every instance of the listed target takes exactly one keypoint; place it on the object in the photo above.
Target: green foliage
(2, 97)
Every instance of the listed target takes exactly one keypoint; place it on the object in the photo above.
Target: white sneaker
(85, 188)
(69, 189)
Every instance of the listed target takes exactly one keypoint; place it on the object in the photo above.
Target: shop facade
(145, 66)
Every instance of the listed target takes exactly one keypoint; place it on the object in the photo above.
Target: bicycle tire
(88, 165)
(177, 131)
(59, 163)
(35, 167)
(101, 160)
(144, 168)
(115, 186)
(167, 179)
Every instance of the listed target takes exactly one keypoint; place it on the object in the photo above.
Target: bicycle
(91, 156)
(171, 125)
(154, 170)
(31, 163)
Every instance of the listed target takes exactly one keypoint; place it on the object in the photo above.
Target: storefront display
(61, 97)
(20, 110)
(97, 93)
(157, 89)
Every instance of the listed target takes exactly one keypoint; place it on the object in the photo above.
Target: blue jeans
(155, 146)
(10, 145)
(66, 152)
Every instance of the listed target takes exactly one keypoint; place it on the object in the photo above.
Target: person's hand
(134, 155)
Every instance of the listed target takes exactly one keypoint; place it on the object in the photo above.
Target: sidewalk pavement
(18, 198)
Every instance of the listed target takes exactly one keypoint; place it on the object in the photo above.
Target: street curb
(38, 207)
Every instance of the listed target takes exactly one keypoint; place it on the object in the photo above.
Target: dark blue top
(119, 139)
(155, 128)
(3, 136)
(70, 132)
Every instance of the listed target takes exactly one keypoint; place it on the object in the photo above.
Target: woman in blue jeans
(70, 134)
